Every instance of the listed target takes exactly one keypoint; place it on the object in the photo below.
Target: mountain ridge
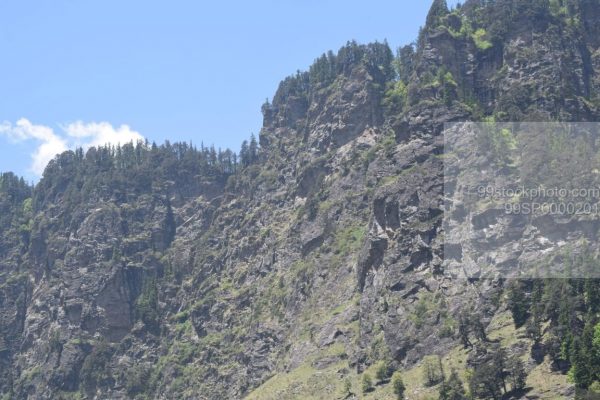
(170, 272)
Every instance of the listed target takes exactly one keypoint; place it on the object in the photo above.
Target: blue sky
(82, 72)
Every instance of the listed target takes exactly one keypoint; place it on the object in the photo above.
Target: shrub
(367, 383)
(432, 370)
(453, 388)
(480, 39)
(347, 390)
(383, 371)
(94, 371)
(398, 386)
(146, 303)
(137, 381)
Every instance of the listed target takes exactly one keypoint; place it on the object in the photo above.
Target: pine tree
(596, 341)
(453, 388)
(484, 382)
(245, 154)
(432, 370)
(253, 149)
(463, 330)
(579, 372)
(478, 327)
(404, 62)
(170, 224)
(213, 156)
(534, 323)
(438, 9)
(516, 372)
(499, 365)
(517, 302)
(592, 294)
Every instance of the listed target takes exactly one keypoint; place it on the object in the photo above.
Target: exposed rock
(328, 249)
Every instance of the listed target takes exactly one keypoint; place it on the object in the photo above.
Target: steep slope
(15, 212)
(302, 272)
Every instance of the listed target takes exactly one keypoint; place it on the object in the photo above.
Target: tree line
(138, 168)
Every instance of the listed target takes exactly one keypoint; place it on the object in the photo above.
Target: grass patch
(480, 37)
(304, 382)
(348, 239)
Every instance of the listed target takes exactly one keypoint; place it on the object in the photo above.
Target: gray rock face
(334, 239)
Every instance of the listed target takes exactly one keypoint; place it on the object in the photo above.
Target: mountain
(318, 265)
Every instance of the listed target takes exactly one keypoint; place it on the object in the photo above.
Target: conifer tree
(404, 62)
(245, 154)
(452, 389)
(438, 9)
(516, 372)
(253, 149)
(517, 302)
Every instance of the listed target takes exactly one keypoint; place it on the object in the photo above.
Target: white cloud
(98, 134)
(49, 146)
(77, 134)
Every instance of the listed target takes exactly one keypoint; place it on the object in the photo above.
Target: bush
(146, 303)
(347, 390)
(453, 388)
(432, 370)
(367, 383)
(94, 371)
(398, 386)
(137, 381)
(395, 97)
(480, 39)
(383, 371)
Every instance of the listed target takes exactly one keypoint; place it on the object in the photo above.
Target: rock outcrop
(308, 266)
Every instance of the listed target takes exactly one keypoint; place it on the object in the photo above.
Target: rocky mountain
(317, 267)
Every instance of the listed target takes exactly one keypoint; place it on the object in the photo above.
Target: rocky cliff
(302, 272)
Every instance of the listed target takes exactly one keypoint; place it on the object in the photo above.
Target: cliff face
(307, 267)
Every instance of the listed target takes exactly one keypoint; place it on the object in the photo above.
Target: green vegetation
(559, 8)
(438, 10)
(347, 390)
(383, 371)
(426, 304)
(16, 212)
(237, 290)
(54, 341)
(376, 57)
(395, 97)
(448, 327)
(94, 371)
(498, 141)
(480, 38)
(452, 388)
(178, 362)
(313, 384)
(348, 239)
(366, 383)
(131, 167)
(146, 303)
(137, 380)
(398, 386)
(404, 63)
(494, 378)
(563, 316)
(249, 151)
(448, 85)
(433, 372)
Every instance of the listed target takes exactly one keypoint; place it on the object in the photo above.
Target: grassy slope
(307, 382)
